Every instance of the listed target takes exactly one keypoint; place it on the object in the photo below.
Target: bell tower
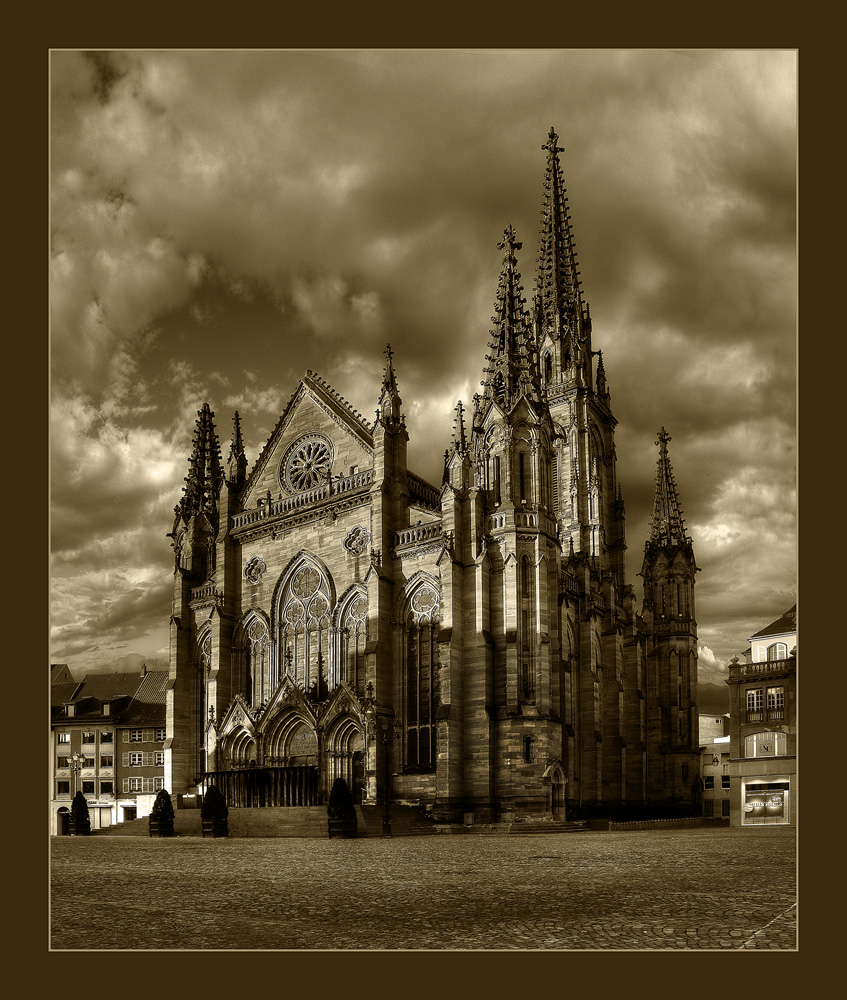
(668, 571)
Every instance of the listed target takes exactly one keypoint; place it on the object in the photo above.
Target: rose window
(307, 463)
(425, 603)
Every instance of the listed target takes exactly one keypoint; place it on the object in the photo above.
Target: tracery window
(258, 684)
(353, 639)
(306, 650)
(306, 463)
(421, 677)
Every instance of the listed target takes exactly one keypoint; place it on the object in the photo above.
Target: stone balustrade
(418, 533)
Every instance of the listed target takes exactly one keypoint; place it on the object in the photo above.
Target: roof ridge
(335, 394)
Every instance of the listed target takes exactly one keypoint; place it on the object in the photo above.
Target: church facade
(471, 647)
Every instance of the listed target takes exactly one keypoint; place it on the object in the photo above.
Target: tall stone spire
(667, 525)
(511, 368)
(558, 293)
(205, 471)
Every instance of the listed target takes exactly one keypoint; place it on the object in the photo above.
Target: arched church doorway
(558, 796)
(345, 756)
(555, 775)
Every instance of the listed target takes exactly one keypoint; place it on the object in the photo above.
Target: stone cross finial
(552, 145)
(509, 243)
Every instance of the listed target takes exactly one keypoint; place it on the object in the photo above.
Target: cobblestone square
(712, 889)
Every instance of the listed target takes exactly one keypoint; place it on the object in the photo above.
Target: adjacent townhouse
(763, 727)
(107, 739)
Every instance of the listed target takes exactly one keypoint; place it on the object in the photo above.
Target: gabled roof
(148, 705)
(135, 697)
(59, 672)
(783, 624)
(311, 384)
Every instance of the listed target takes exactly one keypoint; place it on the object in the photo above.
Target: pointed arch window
(421, 678)
(306, 653)
(353, 640)
(258, 684)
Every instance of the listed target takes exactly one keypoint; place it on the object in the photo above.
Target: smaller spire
(389, 413)
(205, 472)
(459, 441)
(602, 388)
(667, 524)
(237, 462)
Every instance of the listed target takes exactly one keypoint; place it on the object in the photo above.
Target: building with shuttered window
(114, 724)
(763, 727)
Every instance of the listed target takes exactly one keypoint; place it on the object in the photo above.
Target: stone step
(284, 821)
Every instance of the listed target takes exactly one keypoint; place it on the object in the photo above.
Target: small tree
(162, 815)
(80, 820)
(214, 813)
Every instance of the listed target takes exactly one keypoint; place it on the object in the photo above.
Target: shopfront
(765, 803)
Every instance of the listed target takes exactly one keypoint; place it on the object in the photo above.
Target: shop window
(63, 737)
(63, 787)
(709, 781)
(107, 737)
(88, 788)
(765, 745)
(766, 803)
(724, 781)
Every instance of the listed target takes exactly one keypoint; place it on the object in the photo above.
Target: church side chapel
(471, 648)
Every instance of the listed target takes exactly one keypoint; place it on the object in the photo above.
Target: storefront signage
(765, 804)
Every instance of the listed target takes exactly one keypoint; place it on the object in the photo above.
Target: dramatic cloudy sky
(222, 222)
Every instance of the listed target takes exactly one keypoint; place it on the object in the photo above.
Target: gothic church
(472, 648)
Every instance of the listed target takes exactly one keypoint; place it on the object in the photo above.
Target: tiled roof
(62, 693)
(787, 623)
(136, 698)
(148, 705)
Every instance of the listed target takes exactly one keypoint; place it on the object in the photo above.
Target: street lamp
(389, 733)
(76, 762)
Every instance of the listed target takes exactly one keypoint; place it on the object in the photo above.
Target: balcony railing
(277, 508)
(760, 715)
(763, 667)
(418, 533)
(258, 787)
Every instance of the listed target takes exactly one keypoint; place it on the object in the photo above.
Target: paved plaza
(701, 888)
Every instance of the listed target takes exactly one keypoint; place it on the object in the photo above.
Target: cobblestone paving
(709, 889)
